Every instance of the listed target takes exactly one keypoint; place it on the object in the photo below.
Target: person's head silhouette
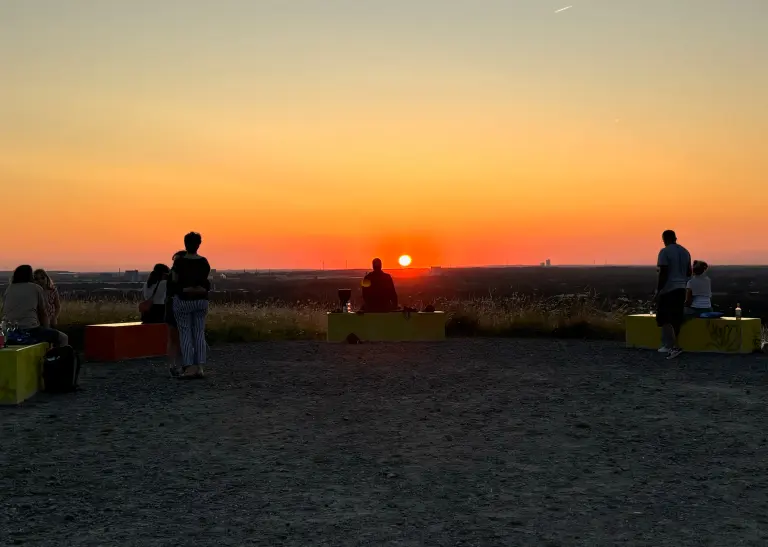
(192, 242)
(376, 264)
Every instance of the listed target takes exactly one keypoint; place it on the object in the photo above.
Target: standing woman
(190, 305)
(154, 290)
(174, 349)
(52, 301)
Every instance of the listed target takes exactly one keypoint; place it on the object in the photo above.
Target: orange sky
(307, 137)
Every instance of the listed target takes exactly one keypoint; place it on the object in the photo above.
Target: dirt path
(470, 442)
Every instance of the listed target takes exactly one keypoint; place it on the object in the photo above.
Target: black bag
(61, 369)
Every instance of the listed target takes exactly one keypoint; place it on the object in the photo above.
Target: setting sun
(404, 260)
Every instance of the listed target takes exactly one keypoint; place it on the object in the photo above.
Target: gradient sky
(294, 132)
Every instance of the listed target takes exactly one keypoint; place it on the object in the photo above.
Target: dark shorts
(156, 314)
(44, 334)
(670, 309)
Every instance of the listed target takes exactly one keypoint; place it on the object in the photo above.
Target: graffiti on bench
(724, 336)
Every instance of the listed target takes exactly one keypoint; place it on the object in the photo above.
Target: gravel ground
(467, 442)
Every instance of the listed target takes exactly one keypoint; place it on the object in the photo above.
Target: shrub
(565, 316)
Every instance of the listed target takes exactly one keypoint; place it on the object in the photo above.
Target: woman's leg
(198, 318)
(172, 344)
(183, 320)
(49, 335)
(173, 349)
(197, 323)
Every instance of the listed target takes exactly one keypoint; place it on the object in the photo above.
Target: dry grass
(566, 316)
(226, 322)
(569, 316)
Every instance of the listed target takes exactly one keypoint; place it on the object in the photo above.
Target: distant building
(548, 263)
(132, 275)
(542, 264)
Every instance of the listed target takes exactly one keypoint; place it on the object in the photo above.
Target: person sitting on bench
(379, 293)
(698, 292)
(24, 306)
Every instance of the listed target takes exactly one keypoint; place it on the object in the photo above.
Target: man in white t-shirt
(674, 265)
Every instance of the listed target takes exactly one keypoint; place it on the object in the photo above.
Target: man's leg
(678, 314)
(668, 337)
(662, 320)
(676, 319)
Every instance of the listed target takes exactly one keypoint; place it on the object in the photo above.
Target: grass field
(575, 316)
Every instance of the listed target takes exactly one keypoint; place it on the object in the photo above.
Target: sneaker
(674, 352)
(664, 349)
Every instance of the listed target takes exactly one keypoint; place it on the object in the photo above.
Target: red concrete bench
(121, 341)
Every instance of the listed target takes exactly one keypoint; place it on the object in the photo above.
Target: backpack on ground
(61, 369)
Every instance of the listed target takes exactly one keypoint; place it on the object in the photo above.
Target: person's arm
(663, 276)
(392, 292)
(206, 279)
(42, 315)
(663, 268)
(170, 287)
(689, 269)
(688, 296)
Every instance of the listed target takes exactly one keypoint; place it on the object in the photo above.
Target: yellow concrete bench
(722, 335)
(387, 327)
(20, 372)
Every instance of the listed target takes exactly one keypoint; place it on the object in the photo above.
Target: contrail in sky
(563, 9)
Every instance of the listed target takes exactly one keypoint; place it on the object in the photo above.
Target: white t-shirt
(701, 289)
(159, 295)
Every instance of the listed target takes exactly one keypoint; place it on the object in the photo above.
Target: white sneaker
(664, 349)
(674, 353)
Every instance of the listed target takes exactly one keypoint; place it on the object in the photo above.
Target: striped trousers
(190, 318)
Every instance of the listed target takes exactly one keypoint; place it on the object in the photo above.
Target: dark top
(189, 271)
(380, 295)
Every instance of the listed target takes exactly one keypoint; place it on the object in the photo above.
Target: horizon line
(412, 268)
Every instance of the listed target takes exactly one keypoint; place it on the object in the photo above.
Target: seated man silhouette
(378, 290)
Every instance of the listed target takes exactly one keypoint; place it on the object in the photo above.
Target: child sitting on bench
(698, 292)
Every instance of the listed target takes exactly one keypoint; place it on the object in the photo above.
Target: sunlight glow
(404, 260)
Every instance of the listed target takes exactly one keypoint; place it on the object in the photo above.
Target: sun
(404, 260)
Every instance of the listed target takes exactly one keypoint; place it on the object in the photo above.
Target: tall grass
(569, 316)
